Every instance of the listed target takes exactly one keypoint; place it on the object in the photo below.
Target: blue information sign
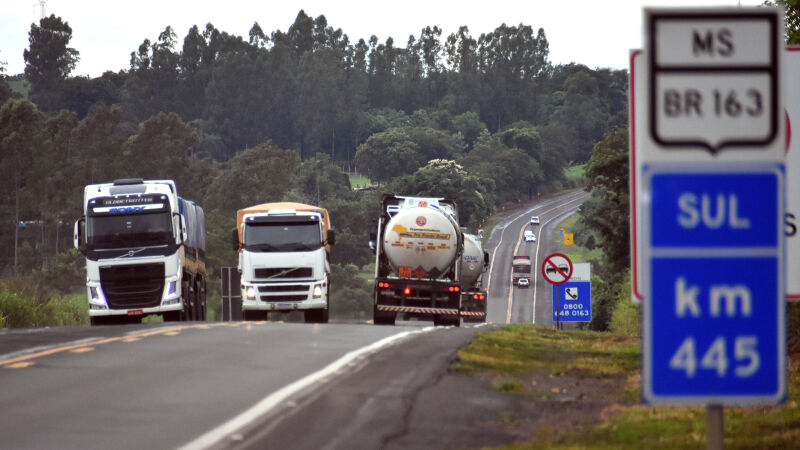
(714, 320)
(574, 300)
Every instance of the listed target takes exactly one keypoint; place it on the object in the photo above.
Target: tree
(388, 154)
(256, 175)
(607, 213)
(448, 179)
(49, 60)
(317, 180)
(20, 136)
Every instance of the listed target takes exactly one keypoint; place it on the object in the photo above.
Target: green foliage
(388, 154)
(351, 296)
(25, 303)
(523, 348)
(256, 175)
(49, 61)
(16, 311)
(625, 319)
(448, 179)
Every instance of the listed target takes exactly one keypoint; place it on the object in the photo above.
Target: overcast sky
(597, 33)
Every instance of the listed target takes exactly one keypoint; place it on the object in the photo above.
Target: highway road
(512, 304)
(268, 384)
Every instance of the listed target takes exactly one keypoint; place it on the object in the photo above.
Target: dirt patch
(551, 406)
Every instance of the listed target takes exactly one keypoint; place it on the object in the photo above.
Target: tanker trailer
(419, 245)
(474, 263)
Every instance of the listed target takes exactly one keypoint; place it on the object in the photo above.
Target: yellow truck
(284, 260)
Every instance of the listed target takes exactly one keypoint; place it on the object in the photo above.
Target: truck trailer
(145, 252)
(474, 263)
(418, 246)
(284, 260)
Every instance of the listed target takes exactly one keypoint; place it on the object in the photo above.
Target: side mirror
(331, 237)
(373, 238)
(177, 225)
(78, 234)
(235, 239)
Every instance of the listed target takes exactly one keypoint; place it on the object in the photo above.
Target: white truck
(284, 260)
(474, 263)
(145, 252)
(418, 246)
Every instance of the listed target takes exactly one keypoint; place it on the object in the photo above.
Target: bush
(16, 311)
(351, 296)
(64, 311)
(626, 315)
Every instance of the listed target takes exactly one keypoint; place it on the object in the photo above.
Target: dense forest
(237, 121)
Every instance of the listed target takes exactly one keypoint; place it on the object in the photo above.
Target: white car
(523, 282)
(530, 237)
(535, 220)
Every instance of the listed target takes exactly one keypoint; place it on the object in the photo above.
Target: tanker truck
(474, 263)
(418, 245)
(284, 251)
(145, 252)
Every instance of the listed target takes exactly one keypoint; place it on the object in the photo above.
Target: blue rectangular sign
(714, 320)
(574, 300)
(713, 329)
(715, 210)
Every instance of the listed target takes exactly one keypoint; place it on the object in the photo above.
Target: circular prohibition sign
(557, 268)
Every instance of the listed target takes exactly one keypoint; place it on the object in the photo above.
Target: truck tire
(254, 316)
(382, 317)
(202, 299)
(446, 320)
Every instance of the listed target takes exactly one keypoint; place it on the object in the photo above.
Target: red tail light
(453, 289)
(407, 291)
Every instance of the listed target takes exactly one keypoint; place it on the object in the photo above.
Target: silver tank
(471, 261)
(421, 239)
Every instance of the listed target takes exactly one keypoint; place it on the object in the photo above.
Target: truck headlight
(250, 293)
(317, 291)
(96, 298)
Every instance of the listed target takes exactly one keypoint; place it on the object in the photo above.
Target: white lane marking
(269, 402)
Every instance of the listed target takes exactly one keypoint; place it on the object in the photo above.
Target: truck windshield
(282, 237)
(129, 230)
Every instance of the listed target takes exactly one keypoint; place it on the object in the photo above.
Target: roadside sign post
(572, 300)
(710, 201)
(557, 270)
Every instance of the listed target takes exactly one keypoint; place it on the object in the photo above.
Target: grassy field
(574, 173)
(357, 181)
(576, 253)
(543, 366)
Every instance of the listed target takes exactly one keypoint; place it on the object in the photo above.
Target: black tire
(382, 317)
(202, 297)
(108, 320)
(186, 301)
(254, 316)
(172, 316)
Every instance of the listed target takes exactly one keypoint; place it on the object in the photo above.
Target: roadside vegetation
(589, 384)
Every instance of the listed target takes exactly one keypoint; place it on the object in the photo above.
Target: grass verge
(516, 356)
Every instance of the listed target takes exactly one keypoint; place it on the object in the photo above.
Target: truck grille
(284, 272)
(284, 293)
(133, 286)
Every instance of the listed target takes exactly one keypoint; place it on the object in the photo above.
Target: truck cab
(284, 260)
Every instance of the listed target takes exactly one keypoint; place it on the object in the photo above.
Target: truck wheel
(172, 316)
(254, 316)
(202, 299)
(381, 317)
